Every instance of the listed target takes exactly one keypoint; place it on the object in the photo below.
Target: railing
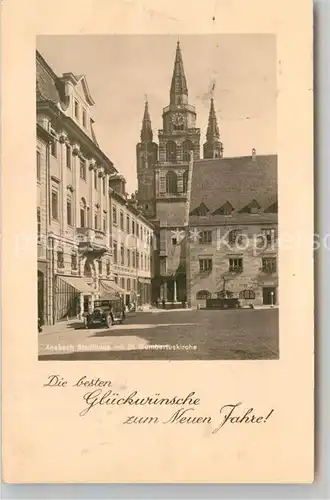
(90, 236)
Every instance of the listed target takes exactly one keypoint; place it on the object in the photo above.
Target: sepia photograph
(157, 197)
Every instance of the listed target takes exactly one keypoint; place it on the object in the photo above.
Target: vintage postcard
(158, 242)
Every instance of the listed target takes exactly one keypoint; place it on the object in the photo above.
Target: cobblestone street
(173, 335)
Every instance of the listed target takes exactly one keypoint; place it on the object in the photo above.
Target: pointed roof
(146, 130)
(212, 128)
(179, 83)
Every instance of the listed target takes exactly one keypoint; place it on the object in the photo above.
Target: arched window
(247, 294)
(171, 182)
(83, 218)
(186, 148)
(171, 151)
(203, 294)
(185, 181)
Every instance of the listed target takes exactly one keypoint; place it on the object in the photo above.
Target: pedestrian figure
(163, 302)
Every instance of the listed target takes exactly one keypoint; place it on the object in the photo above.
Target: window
(137, 229)
(104, 223)
(114, 215)
(128, 257)
(235, 237)
(38, 225)
(122, 283)
(205, 265)
(133, 227)
(103, 185)
(122, 255)
(97, 220)
(121, 220)
(269, 236)
(108, 267)
(68, 156)
(203, 294)
(133, 258)
(171, 151)
(115, 252)
(205, 237)
(83, 212)
(74, 261)
(95, 179)
(38, 165)
(100, 267)
(269, 265)
(55, 205)
(171, 182)
(84, 118)
(69, 212)
(186, 148)
(137, 260)
(127, 224)
(76, 109)
(225, 209)
(128, 285)
(145, 261)
(116, 279)
(185, 181)
(82, 169)
(236, 265)
(54, 147)
(60, 259)
(247, 294)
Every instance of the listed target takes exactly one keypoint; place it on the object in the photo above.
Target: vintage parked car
(107, 311)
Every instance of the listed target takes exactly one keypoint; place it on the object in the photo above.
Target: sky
(122, 69)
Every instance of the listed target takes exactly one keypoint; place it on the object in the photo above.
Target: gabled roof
(236, 181)
(48, 85)
(75, 79)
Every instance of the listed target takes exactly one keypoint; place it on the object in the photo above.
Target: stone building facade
(76, 194)
(132, 244)
(232, 243)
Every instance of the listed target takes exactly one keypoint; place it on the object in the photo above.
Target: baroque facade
(77, 190)
(167, 194)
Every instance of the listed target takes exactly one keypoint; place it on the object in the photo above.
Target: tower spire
(212, 128)
(213, 148)
(146, 130)
(179, 89)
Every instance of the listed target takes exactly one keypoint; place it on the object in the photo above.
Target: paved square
(171, 335)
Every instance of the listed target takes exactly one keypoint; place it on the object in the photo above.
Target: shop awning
(83, 285)
(111, 286)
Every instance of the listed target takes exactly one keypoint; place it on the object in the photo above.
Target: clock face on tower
(177, 119)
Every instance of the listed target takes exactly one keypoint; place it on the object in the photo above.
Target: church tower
(213, 147)
(178, 137)
(146, 158)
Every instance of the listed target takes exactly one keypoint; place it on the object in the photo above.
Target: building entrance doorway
(269, 296)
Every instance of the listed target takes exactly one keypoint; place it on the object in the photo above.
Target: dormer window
(200, 211)
(76, 109)
(251, 208)
(225, 209)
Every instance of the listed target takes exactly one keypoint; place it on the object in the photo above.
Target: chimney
(254, 154)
